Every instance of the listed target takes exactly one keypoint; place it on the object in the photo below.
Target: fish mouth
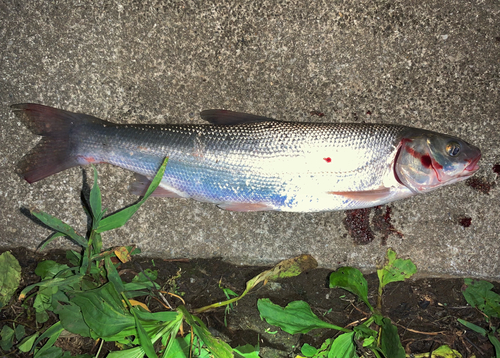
(473, 165)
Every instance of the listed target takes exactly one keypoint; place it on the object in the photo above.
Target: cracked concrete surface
(428, 64)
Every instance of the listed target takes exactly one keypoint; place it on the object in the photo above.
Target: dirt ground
(425, 310)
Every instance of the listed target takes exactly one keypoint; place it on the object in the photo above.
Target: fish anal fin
(245, 207)
(141, 185)
(364, 196)
(221, 116)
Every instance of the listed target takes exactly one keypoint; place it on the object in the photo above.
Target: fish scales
(253, 162)
(244, 162)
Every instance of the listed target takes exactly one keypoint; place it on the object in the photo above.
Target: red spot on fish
(465, 221)
(496, 169)
(328, 160)
(426, 161)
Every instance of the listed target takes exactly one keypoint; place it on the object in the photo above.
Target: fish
(245, 162)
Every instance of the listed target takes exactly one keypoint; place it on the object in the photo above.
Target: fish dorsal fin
(221, 116)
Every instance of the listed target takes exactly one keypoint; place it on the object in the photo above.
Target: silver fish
(243, 162)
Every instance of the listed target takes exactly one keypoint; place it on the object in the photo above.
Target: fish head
(427, 160)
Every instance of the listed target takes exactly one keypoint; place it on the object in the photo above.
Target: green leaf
(113, 276)
(52, 333)
(58, 281)
(390, 344)
(216, 346)
(119, 218)
(72, 319)
(181, 347)
(441, 352)
(343, 347)
(352, 280)
(308, 350)
(27, 343)
(395, 269)
(297, 317)
(10, 277)
(144, 339)
(246, 351)
(103, 310)
(7, 340)
(473, 327)
(19, 332)
(60, 226)
(51, 238)
(95, 200)
(479, 294)
(494, 341)
(48, 269)
(136, 352)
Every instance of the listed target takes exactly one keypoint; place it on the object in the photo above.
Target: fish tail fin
(54, 152)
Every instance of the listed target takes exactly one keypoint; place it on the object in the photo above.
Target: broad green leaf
(441, 352)
(119, 218)
(27, 343)
(344, 347)
(54, 282)
(390, 344)
(136, 352)
(51, 352)
(352, 280)
(74, 257)
(10, 277)
(395, 270)
(181, 346)
(7, 335)
(473, 327)
(479, 294)
(246, 351)
(60, 226)
(95, 201)
(19, 332)
(308, 350)
(141, 276)
(103, 310)
(162, 316)
(494, 341)
(144, 339)
(216, 346)
(113, 276)
(297, 317)
(72, 319)
(49, 268)
(52, 333)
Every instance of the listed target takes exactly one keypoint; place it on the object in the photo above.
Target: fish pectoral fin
(366, 196)
(220, 116)
(245, 207)
(141, 185)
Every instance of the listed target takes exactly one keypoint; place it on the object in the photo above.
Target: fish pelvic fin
(364, 196)
(245, 207)
(54, 152)
(141, 184)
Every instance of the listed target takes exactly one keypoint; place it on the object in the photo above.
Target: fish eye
(453, 148)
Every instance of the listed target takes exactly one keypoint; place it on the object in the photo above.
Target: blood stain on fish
(480, 184)
(465, 221)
